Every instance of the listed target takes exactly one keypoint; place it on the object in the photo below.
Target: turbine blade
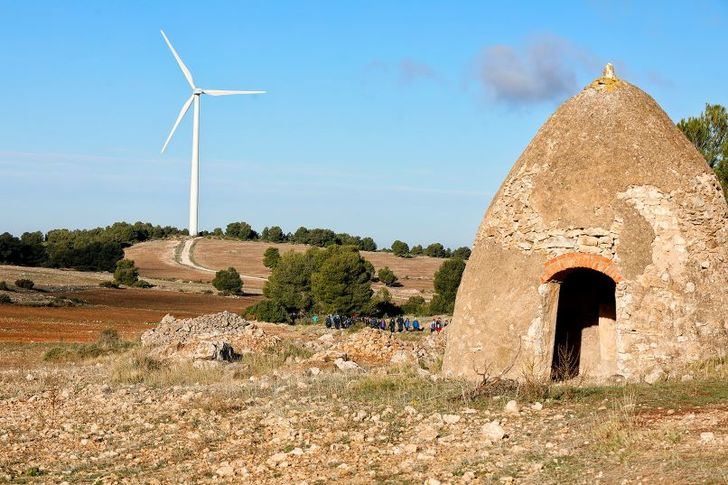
(182, 113)
(182, 66)
(227, 92)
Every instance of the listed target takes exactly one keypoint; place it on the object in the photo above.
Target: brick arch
(564, 262)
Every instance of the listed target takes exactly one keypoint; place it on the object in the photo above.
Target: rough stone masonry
(608, 239)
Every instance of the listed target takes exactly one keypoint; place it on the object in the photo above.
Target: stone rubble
(214, 337)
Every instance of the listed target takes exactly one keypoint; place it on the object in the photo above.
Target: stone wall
(659, 248)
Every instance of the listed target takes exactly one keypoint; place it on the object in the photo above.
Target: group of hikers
(398, 324)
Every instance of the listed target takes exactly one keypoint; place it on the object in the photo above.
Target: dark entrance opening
(585, 334)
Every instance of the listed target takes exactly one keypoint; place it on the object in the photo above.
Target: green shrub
(5, 300)
(267, 311)
(437, 250)
(415, 305)
(400, 248)
(25, 284)
(447, 281)
(387, 276)
(109, 284)
(381, 304)
(241, 230)
(341, 282)
(462, 253)
(4, 286)
(228, 280)
(367, 244)
(142, 284)
(271, 256)
(273, 234)
(126, 272)
(290, 282)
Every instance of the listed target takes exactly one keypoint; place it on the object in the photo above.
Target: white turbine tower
(194, 98)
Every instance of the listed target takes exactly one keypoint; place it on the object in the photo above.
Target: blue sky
(395, 119)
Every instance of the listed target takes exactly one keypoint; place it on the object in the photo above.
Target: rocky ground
(306, 405)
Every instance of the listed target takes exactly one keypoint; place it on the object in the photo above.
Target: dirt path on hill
(185, 259)
(185, 256)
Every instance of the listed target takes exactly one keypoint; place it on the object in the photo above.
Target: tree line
(97, 249)
(326, 237)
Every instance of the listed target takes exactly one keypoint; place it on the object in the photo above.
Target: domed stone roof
(610, 184)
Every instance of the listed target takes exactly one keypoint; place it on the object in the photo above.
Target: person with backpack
(416, 325)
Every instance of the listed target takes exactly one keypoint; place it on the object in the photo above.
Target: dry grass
(618, 430)
(139, 367)
(107, 343)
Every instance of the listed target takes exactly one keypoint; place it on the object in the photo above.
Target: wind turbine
(194, 99)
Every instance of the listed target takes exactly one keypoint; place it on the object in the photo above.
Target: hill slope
(162, 259)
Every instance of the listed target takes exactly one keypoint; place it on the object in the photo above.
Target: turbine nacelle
(195, 90)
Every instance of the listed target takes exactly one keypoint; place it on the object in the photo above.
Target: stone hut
(605, 251)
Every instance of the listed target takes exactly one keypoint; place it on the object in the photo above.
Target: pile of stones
(216, 337)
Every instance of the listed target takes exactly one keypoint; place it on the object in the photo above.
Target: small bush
(381, 304)
(109, 284)
(228, 280)
(142, 284)
(415, 305)
(126, 272)
(271, 256)
(267, 311)
(400, 248)
(4, 286)
(387, 276)
(5, 300)
(25, 284)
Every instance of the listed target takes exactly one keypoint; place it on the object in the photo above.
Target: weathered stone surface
(346, 365)
(493, 431)
(592, 183)
(512, 407)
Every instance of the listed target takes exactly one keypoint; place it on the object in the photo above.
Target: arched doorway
(585, 330)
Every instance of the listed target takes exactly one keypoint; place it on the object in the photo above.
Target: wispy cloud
(544, 69)
(51, 158)
(406, 71)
